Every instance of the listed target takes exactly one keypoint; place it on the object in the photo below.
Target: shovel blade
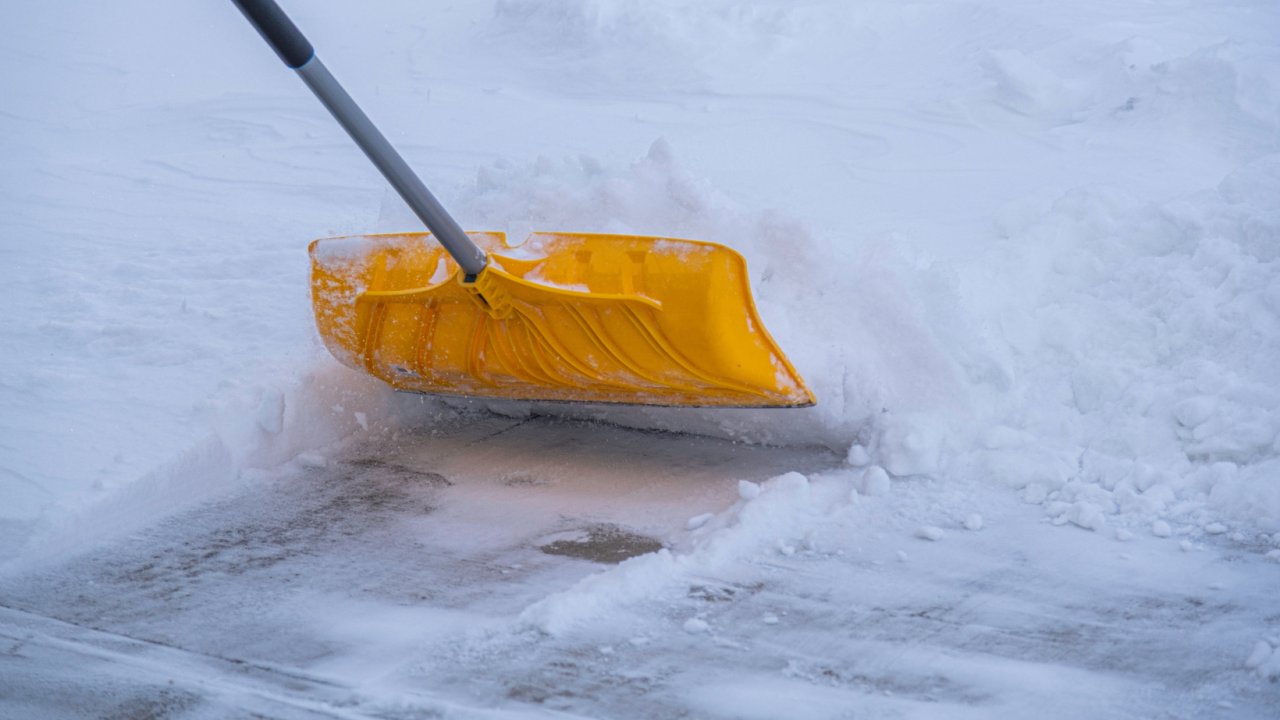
(564, 317)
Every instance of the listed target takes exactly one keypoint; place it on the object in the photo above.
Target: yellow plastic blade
(564, 317)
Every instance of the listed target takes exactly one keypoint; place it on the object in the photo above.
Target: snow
(698, 521)
(929, 532)
(695, 626)
(875, 481)
(857, 456)
(1261, 653)
(1270, 669)
(1027, 255)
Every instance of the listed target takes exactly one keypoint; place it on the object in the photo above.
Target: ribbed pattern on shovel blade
(565, 325)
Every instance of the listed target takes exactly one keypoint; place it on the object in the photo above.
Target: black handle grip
(278, 30)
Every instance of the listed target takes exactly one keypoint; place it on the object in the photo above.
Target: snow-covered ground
(1027, 254)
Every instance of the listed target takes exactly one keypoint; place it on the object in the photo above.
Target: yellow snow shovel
(563, 317)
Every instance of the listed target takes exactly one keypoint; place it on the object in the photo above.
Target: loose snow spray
(1113, 363)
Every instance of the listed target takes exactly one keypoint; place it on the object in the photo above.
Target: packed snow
(1026, 254)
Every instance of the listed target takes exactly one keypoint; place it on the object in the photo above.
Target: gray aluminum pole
(296, 52)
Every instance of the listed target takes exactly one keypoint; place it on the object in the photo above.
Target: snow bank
(1148, 352)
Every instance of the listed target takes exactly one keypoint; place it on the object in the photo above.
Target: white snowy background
(1026, 253)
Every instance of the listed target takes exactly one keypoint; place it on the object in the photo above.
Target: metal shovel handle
(296, 52)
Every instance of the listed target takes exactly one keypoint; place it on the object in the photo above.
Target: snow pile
(1146, 353)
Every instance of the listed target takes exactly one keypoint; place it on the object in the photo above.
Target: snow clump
(695, 626)
(1264, 660)
(928, 532)
(698, 521)
(875, 482)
